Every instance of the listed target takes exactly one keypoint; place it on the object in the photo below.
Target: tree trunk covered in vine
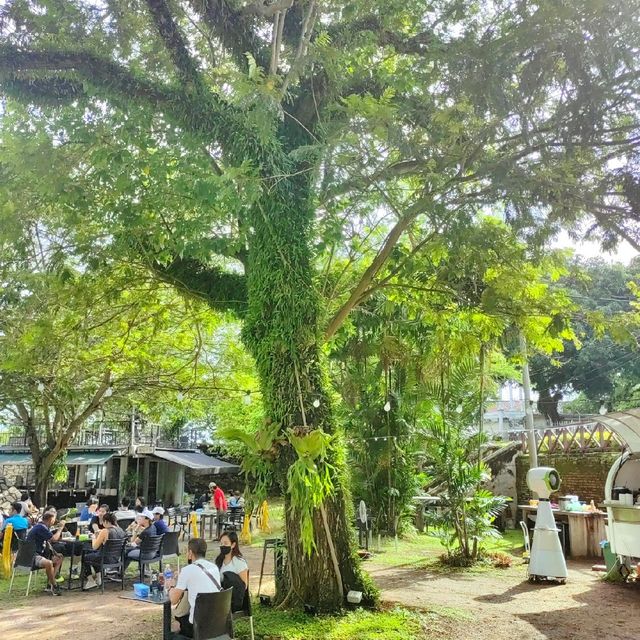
(282, 332)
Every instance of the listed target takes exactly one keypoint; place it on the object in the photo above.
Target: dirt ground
(484, 606)
(506, 606)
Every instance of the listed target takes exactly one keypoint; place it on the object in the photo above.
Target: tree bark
(282, 332)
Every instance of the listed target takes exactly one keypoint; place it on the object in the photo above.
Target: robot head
(543, 480)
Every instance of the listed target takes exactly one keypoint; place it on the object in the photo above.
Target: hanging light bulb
(316, 403)
(108, 392)
(387, 406)
(459, 409)
(247, 398)
(41, 387)
(603, 408)
(180, 396)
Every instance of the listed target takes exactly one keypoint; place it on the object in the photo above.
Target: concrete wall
(503, 476)
(583, 475)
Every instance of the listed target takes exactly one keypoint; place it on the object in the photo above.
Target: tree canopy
(225, 145)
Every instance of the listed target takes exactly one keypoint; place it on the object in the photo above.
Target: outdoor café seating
(24, 562)
(212, 619)
(110, 549)
(150, 553)
(170, 547)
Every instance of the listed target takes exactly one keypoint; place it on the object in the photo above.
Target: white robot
(547, 560)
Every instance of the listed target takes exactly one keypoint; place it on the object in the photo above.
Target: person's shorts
(39, 562)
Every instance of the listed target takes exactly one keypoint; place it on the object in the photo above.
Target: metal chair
(24, 562)
(171, 547)
(110, 549)
(172, 518)
(150, 553)
(212, 618)
(184, 520)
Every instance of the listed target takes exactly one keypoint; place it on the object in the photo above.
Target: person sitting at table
(45, 558)
(200, 576)
(89, 509)
(230, 558)
(125, 512)
(158, 520)
(140, 505)
(97, 522)
(27, 508)
(91, 561)
(236, 501)
(20, 523)
(145, 519)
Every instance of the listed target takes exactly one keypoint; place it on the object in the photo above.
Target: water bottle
(168, 574)
(154, 584)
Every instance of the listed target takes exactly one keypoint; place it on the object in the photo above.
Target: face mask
(224, 550)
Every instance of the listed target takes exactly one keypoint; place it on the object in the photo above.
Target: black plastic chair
(171, 547)
(24, 562)
(212, 618)
(124, 523)
(172, 518)
(110, 549)
(184, 520)
(150, 553)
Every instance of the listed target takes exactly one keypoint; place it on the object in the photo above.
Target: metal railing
(116, 435)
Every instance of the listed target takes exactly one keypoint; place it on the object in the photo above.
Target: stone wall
(8, 494)
(582, 474)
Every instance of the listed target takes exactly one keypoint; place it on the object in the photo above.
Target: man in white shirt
(201, 576)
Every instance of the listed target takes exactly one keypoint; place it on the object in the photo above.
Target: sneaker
(90, 584)
(60, 580)
(53, 590)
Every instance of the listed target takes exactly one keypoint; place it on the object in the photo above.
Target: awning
(89, 457)
(626, 424)
(197, 461)
(15, 458)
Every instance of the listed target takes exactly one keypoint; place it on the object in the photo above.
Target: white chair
(527, 544)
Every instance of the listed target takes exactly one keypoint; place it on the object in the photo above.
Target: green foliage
(395, 624)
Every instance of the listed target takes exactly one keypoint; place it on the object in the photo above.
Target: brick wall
(583, 474)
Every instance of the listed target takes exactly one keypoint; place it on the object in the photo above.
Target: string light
(108, 392)
(180, 396)
(387, 406)
(41, 387)
(459, 409)
(247, 398)
(316, 403)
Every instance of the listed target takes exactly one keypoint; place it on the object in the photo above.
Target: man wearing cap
(158, 521)
(218, 502)
(144, 519)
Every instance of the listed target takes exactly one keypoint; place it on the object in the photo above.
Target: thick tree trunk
(41, 488)
(281, 330)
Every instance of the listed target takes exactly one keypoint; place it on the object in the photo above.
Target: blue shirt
(161, 526)
(85, 514)
(19, 523)
(39, 534)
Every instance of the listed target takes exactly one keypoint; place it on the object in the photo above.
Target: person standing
(219, 503)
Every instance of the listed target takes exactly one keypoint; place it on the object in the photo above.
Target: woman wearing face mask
(230, 559)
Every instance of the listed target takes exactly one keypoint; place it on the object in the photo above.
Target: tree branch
(175, 44)
(220, 289)
(374, 268)
(234, 29)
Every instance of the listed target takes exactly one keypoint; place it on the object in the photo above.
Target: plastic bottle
(168, 573)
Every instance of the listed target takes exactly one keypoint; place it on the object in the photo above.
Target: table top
(563, 512)
(148, 600)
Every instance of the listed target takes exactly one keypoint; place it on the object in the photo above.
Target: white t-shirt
(237, 565)
(196, 581)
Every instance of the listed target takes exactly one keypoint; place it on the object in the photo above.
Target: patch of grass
(394, 624)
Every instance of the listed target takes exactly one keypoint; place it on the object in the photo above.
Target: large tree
(207, 136)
